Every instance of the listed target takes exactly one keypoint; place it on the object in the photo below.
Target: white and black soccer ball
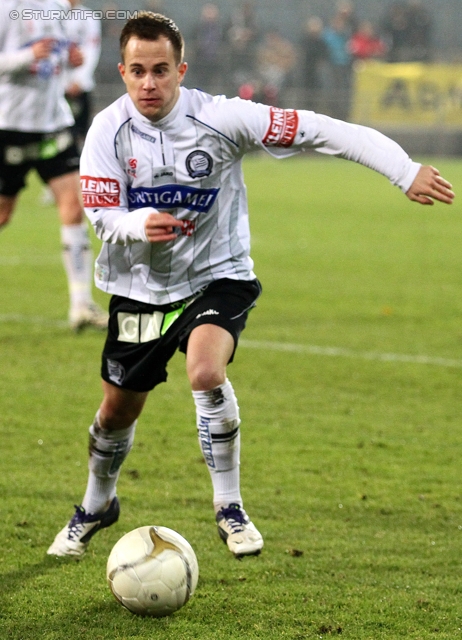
(152, 571)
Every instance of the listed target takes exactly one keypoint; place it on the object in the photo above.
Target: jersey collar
(173, 122)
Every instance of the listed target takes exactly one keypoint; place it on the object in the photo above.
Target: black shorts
(81, 110)
(51, 154)
(143, 337)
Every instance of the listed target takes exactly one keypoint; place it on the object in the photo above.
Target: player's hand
(74, 90)
(160, 227)
(429, 186)
(75, 55)
(42, 48)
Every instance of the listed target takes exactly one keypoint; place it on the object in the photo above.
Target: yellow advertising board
(408, 95)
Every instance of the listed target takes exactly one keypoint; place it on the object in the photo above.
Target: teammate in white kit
(162, 182)
(35, 122)
(85, 31)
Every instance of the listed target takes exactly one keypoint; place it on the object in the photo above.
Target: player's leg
(130, 369)
(7, 205)
(110, 440)
(13, 171)
(210, 348)
(76, 252)
(61, 175)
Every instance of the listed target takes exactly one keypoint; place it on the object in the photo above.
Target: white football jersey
(32, 92)
(85, 32)
(189, 164)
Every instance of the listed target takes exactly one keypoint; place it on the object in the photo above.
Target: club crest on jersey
(199, 164)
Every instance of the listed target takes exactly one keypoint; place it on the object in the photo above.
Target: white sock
(108, 449)
(78, 263)
(217, 415)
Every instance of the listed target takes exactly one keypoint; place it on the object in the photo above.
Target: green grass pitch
(349, 380)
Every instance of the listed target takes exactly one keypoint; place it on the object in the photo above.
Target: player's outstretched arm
(429, 186)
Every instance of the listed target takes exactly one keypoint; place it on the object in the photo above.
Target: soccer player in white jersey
(162, 183)
(35, 122)
(85, 31)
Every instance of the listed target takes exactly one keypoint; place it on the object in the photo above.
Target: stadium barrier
(418, 104)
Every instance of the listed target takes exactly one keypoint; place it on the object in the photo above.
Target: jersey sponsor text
(172, 196)
(100, 192)
(282, 129)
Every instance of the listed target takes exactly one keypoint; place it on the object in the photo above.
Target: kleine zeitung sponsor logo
(282, 129)
(100, 192)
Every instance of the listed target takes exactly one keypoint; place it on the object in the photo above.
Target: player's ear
(121, 68)
(182, 68)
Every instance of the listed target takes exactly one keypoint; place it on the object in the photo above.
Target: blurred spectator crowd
(233, 55)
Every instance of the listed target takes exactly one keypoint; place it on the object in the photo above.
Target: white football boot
(74, 539)
(236, 529)
(89, 315)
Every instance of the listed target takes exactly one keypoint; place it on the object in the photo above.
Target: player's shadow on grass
(13, 580)
(67, 618)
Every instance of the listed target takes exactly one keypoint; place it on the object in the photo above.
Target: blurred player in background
(35, 133)
(163, 186)
(84, 31)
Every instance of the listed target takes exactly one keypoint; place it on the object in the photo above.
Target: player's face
(152, 76)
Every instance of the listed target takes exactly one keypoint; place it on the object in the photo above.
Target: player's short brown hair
(148, 25)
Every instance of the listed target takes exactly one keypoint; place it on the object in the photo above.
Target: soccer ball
(152, 571)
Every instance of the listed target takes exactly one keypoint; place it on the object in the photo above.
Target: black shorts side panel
(232, 300)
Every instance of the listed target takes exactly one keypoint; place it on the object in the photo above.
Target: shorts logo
(199, 164)
(209, 312)
(283, 128)
(138, 328)
(100, 192)
(116, 372)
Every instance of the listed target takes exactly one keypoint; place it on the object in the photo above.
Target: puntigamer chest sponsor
(172, 196)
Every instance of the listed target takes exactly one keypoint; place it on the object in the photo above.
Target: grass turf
(350, 462)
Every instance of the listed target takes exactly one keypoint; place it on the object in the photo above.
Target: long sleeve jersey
(189, 164)
(32, 91)
(84, 31)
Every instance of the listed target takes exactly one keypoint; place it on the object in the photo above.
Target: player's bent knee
(120, 408)
(114, 416)
(71, 214)
(204, 377)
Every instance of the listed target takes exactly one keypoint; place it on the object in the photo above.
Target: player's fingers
(443, 197)
(162, 220)
(443, 192)
(420, 198)
(161, 236)
(441, 181)
(444, 188)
